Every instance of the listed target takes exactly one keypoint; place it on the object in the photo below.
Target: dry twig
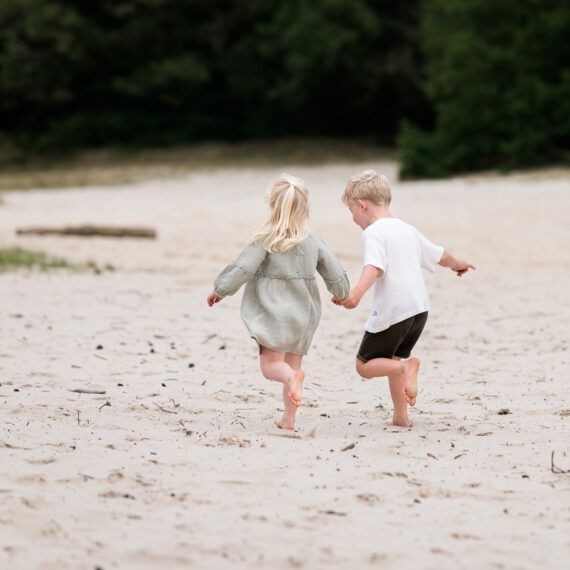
(164, 409)
(556, 469)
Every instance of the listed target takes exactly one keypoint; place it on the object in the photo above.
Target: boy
(394, 255)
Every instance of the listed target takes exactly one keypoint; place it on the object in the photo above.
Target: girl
(281, 307)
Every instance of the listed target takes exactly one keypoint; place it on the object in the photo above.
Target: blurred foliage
(467, 84)
(17, 257)
(160, 72)
(498, 75)
(13, 258)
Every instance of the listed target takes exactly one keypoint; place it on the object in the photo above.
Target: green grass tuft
(17, 257)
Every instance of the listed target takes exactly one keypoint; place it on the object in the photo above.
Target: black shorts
(396, 341)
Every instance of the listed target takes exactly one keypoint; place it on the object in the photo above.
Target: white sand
(213, 484)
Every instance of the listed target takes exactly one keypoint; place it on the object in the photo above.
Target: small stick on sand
(287, 435)
(107, 403)
(163, 409)
(86, 391)
(349, 446)
(556, 469)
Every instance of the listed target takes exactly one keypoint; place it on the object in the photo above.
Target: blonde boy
(394, 255)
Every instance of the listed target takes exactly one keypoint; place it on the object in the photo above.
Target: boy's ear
(362, 204)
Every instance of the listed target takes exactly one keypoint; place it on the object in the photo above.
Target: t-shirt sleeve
(375, 250)
(431, 253)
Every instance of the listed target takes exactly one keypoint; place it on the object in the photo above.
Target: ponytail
(289, 213)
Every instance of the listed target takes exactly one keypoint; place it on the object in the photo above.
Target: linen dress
(281, 306)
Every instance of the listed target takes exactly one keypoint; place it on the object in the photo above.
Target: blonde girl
(281, 306)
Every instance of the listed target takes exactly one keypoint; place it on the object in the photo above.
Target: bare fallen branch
(87, 391)
(89, 231)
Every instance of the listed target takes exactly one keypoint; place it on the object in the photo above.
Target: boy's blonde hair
(286, 227)
(368, 185)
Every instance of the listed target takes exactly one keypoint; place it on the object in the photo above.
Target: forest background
(454, 85)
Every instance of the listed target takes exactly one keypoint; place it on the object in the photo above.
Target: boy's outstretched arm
(367, 278)
(460, 267)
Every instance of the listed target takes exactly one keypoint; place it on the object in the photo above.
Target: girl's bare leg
(288, 420)
(296, 386)
(274, 367)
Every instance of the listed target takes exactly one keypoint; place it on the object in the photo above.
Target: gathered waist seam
(285, 278)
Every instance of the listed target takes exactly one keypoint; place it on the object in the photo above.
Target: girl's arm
(237, 273)
(330, 269)
(367, 278)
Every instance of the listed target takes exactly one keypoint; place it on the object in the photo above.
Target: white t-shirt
(400, 251)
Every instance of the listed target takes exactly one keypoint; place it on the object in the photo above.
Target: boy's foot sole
(411, 382)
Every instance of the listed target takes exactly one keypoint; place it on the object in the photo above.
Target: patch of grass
(17, 257)
(120, 166)
(100, 268)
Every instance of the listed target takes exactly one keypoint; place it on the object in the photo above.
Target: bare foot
(412, 368)
(296, 387)
(401, 421)
(283, 424)
(399, 399)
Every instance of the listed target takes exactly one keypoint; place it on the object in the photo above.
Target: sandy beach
(175, 462)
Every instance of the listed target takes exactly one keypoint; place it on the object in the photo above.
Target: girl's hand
(213, 298)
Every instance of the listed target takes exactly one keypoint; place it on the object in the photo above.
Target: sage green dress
(281, 306)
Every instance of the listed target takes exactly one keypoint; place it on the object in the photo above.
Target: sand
(178, 464)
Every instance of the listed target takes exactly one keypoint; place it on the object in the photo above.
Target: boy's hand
(349, 302)
(213, 298)
(461, 267)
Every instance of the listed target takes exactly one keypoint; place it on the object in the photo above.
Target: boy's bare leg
(411, 387)
(396, 371)
(288, 420)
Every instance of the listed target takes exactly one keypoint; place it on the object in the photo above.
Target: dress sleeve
(431, 253)
(330, 269)
(240, 271)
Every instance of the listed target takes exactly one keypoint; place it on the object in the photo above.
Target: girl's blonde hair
(286, 227)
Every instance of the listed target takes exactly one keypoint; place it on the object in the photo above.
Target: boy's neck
(378, 212)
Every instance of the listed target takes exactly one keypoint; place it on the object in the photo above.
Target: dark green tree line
(498, 76)
(476, 84)
(151, 72)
